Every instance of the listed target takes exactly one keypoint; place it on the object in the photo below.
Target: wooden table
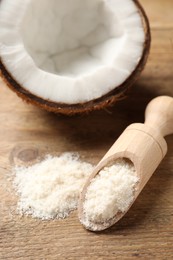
(146, 232)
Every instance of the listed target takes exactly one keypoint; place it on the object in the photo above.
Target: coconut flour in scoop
(110, 192)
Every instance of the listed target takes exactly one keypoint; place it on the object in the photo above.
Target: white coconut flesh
(70, 51)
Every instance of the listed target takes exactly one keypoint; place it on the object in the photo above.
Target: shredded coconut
(110, 192)
(50, 189)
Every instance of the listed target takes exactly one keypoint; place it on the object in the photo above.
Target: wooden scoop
(144, 145)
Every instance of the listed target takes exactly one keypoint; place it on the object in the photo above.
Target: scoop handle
(159, 115)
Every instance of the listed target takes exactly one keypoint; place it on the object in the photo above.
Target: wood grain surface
(146, 232)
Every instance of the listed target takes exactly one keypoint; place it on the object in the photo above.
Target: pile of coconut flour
(50, 189)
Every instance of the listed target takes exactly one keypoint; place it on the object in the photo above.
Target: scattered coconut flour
(110, 192)
(50, 189)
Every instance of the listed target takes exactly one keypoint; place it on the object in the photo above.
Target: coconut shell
(109, 99)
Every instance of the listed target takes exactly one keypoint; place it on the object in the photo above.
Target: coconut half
(72, 56)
